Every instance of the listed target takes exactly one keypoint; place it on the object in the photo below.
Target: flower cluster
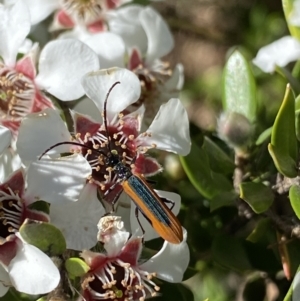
(80, 116)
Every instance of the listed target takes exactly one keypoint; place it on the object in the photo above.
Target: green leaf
(263, 233)
(287, 8)
(266, 134)
(257, 195)
(197, 167)
(239, 91)
(297, 101)
(222, 199)
(294, 195)
(40, 206)
(76, 267)
(229, 252)
(44, 236)
(283, 147)
(297, 105)
(218, 159)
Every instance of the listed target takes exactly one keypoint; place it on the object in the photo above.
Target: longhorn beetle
(137, 188)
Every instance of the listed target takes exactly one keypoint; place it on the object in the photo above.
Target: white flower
(71, 13)
(118, 271)
(24, 266)
(278, 53)
(169, 131)
(147, 39)
(61, 66)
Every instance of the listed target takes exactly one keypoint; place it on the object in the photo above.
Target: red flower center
(17, 93)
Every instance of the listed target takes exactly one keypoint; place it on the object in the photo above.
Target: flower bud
(236, 130)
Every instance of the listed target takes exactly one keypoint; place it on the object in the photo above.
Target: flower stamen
(17, 94)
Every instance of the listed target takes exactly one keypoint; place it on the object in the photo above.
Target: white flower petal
(33, 272)
(136, 230)
(9, 162)
(177, 79)
(41, 9)
(87, 107)
(278, 53)
(5, 138)
(14, 27)
(78, 220)
(109, 47)
(150, 233)
(97, 84)
(169, 129)
(125, 23)
(4, 281)
(57, 180)
(170, 262)
(116, 242)
(39, 131)
(160, 39)
(171, 196)
(26, 46)
(124, 210)
(61, 66)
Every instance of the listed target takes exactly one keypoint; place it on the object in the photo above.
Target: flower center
(83, 9)
(17, 93)
(121, 142)
(11, 213)
(117, 280)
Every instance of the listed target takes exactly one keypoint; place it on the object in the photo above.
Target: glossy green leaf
(263, 233)
(294, 195)
(297, 101)
(298, 125)
(257, 195)
(230, 253)
(44, 236)
(223, 199)
(218, 159)
(287, 8)
(266, 134)
(40, 206)
(283, 147)
(76, 267)
(239, 91)
(197, 167)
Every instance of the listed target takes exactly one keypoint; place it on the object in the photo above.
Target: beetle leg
(137, 217)
(167, 201)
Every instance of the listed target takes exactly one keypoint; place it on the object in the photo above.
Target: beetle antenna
(105, 114)
(72, 143)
